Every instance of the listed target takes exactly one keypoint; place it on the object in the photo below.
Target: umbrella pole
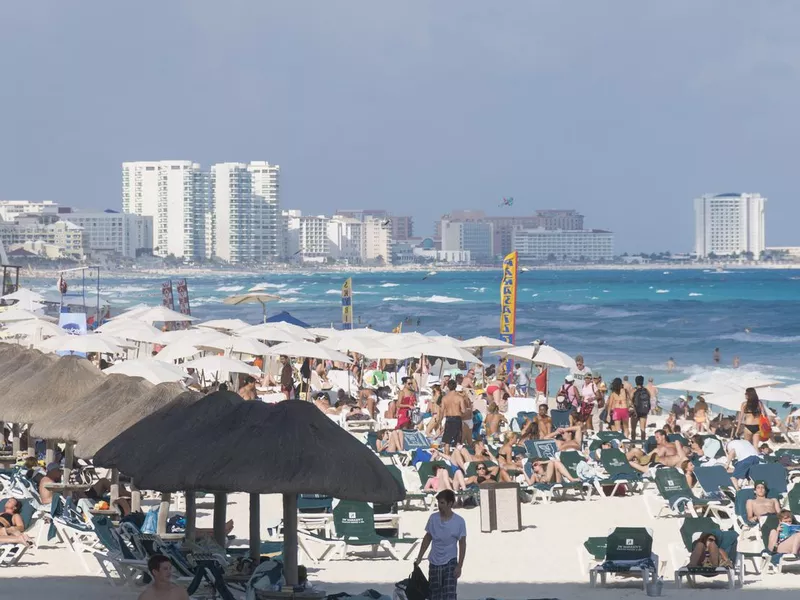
(31, 443)
(191, 516)
(163, 513)
(49, 453)
(255, 528)
(290, 538)
(68, 459)
(136, 497)
(15, 438)
(114, 485)
(220, 506)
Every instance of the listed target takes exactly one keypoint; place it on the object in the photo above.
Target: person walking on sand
(446, 534)
(162, 587)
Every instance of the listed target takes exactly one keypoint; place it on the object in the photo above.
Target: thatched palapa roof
(163, 396)
(223, 445)
(81, 417)
(24, 371)
(46, 391)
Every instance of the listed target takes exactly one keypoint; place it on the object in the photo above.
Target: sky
(624, 110)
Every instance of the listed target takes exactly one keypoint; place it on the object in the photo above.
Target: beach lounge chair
(629, 551)
(541, 449)
(793, 501)
(621, 475)
(560, 418)
(115, 557)
(679, 500)
(604, 437)
(774, 475)
(313, 511)
(691, 529)
(11, 553)
(773, 562)
(414, 493)
(354, 523)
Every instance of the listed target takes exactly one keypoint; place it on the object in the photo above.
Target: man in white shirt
(446, 534)
(746, 457)
(580, 372)
(522, 380)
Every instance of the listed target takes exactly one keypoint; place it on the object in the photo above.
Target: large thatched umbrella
(288, 448)
(69, 378)
(83, 419)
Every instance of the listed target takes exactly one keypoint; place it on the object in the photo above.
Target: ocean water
(623, 322)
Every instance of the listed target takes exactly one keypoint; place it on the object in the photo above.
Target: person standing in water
(446, 534)
(670, 365)
(716, 356)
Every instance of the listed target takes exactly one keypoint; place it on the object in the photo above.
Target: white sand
(540, 561)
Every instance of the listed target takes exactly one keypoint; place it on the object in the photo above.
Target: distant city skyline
(419, 108)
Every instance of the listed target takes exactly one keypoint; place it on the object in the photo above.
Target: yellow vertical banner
(347, 303)
(508, 298)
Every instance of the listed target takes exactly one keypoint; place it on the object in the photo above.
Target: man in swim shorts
(452, 410)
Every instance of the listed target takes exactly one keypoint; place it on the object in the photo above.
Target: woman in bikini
(441, 480)
(494, 420)
(552, 471)
(434, 404)
(781, 539)
(389, 440)
(707, 553)
(749, 417)
(12, 527)
(618, 407)
(496, 390)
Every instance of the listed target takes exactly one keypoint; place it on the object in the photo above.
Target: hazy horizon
(622, 110)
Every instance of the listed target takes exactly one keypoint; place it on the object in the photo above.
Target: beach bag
(764, 428)
(416, 587)
(150, 521)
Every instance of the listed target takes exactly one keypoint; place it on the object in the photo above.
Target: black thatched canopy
(163, 398)
(56, 386)
(287, 448)
(147, 439)
(24, 372)
(83, 416)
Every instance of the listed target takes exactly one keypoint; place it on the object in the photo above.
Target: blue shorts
(742, 468)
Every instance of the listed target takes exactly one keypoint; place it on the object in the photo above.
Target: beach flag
(508, 302)
(347, 303)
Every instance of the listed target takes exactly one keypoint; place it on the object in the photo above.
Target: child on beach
(701, 415)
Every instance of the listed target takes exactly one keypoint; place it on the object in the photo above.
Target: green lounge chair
(629, 551)
(354, 523)
(620, 473)
(691, 529)
(417, 495)
(11, 553)
(678, 498)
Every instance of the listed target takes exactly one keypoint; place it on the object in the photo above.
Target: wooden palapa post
(255, 528)
(191, 516)
(220, 508)
(290, 538)
(163, 513)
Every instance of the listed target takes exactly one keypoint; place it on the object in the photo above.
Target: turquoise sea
(621, 321)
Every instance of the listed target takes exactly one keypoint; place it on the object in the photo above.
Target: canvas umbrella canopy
(20, 314)
(483, 342)
(298, 437)
(23, 295)
(176, 351)
(150, 369)
(293, 328)
(540, 354)
(363, 346)
(162, 314)
(442, 350)
(54, 387)
(269, 332)
(33, 328)
(188, 336)
(223, 324)
(82, 415)
(90, 342)
(222, 364)
(308, 350)
(252, 298)
(131, 329)
(719, 382)
(240, 345)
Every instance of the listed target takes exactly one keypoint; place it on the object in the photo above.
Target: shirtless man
(162, 587)
(466, 414)
(651, 387)
(543, 422)
(53, 475)
(761, 505)
(324, 404)
(452, 410)
(248, 389)
(666, 453)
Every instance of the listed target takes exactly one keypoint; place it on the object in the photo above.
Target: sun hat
(569, 378)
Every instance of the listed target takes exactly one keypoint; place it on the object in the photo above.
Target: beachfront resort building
(346, 239)
(560, 245)
(63, 235)
(11, 209)
(232, 205)
(176, 194)
(477, 237)
(728, 224)
(401, 227)
(114, 232)
(265, 210)
(307, 237)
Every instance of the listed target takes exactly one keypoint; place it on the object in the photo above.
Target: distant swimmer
(431, 274)
(670, 365)
(736, 362)
(747, 330)
(716, 355)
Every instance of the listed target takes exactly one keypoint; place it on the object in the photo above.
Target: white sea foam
(480, 290)
(334, 292)
(615, 313)
(391, 299)
(695, 294)
(534, 295)
(571, 307)
(230, 288)
(662, 291)
(128, 289)
(761, 338)
(435, 299)
(204, 300)
(267, 285)
(291, 291)
(385, 285)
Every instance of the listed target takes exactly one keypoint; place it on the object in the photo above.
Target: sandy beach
(544, 560)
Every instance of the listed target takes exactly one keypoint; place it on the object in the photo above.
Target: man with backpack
(641, 404)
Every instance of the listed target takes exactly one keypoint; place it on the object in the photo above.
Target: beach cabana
(237, 446)
(285, 317)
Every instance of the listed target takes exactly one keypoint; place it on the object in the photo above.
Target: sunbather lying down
(12, 528)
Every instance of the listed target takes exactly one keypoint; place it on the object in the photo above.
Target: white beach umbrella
(540, 354)
(483, 342)
(441, 350)
(269, 333)
(733, 398)
(188, 336)
(323, 332)
(154, 371)
(308, 350)
(720, 382)
(13, 315)
(177, 351)
(162, 314)
(34, 327)
(222, 364)
(131, 329)
(262, 331)
(23, 295)
(240, 345)
(363, 346)
(90, 342)
(223, 324)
